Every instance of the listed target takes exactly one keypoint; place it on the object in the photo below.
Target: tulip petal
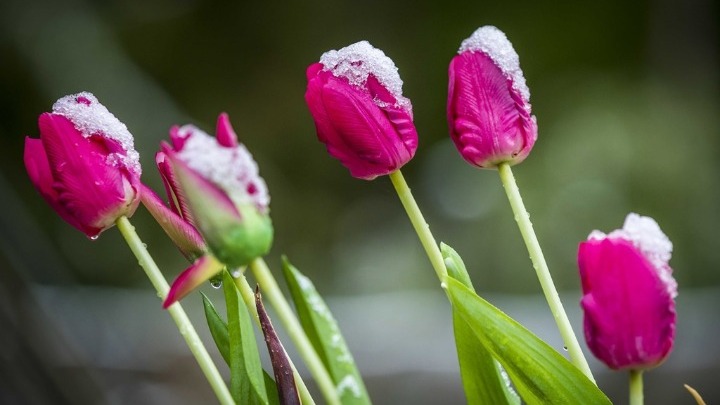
(177, 201)
(199, 272)
(629, 312)
(87, 186)
(359, 134)
(182, 233)
(38, 168)
(225, 133)
(484, 117)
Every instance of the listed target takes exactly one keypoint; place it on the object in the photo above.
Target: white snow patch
(357, 61)
(646, 235)
(493, 43)
(348, 383)
(92, 118)
(232, 169)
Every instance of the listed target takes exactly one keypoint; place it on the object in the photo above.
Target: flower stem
(418, 221)
(176, 311)
(636, 387)
(248, 296)
(292, 326)
(536, 256)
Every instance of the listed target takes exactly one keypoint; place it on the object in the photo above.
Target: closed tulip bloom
(628, 294)
(84, 164)
(214, 185)
(488, 109)
(355, 98)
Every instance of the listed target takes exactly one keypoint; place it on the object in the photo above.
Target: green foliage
(247, 383)
(540, 374)
(481, 375)
(219, 331)
(324, 334)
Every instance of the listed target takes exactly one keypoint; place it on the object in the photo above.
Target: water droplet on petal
(94, 237)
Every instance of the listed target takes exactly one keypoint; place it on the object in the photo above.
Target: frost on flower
(231, 168)
(92, 119)
(646, 235)
(493, 42)
(357, 61)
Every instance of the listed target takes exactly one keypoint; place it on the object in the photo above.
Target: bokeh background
(626, 95)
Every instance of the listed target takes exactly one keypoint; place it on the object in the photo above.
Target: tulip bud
(213, 185)
(628, 294)
(355, 98)
(84, 164)
(488, 102)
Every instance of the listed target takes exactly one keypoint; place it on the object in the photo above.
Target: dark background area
(626, 98)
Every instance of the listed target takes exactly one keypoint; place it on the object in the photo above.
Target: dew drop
(94, 237)
(215, 282)
(565, 348)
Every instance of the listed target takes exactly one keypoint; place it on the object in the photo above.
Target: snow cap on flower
(628, 294)
(489, 111)
(84, 164)
(355, 98)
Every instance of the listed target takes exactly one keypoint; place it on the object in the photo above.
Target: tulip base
(522, 217)
(176, 312)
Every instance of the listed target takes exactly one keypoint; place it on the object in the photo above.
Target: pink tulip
(218, 210)
(355, 98)
(488, 102)
(84, 164)
(628, 294)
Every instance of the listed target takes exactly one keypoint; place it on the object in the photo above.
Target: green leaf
(540, 374)
(218, 328)
(324, 334)
(219, 332)
(247, 383)
(481, 376)
(455, 265)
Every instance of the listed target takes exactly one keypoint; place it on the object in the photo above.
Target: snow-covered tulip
(488, 109)
(84, 164)
(628, 294)
(355, 98)
(214, 185)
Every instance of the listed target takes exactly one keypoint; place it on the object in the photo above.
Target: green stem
(292, 326)
(418, 221)
(248, 296)
(636, 387)
(533, 246)
(176, 311)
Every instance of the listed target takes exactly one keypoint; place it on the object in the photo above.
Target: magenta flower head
(84, 164)
(628, 294)
(214, 185)
(488, 101)
(355, 98)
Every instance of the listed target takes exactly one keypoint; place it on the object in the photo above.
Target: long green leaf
(247, 383)
(540, 374)
(481, 376)
(218, 328)
(219, 331)
(324, 334)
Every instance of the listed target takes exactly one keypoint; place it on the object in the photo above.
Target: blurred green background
(626, 96)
